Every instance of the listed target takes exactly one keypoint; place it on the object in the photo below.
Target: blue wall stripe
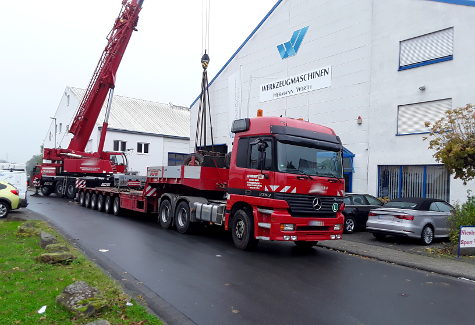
(420, 64)
(400, 183)
(458, 2)
(240, 47)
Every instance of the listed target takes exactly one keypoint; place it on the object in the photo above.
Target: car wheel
(379, 236)
(82, 199)
(4, 209)
(305, 244)
(71, 191)
(165, 214)
(108, 204)
(100, 203)
(242, 229)
(350, 225)
(427, 235)
(182, 218)
(94, 201)
(87, 200)
(116, 206)
(45, 190)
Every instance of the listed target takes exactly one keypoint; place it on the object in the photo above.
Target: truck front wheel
(165, 214)
(242, 229)
(182, 218)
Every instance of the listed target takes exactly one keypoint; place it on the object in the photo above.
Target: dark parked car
(357, 207)
(420, 218)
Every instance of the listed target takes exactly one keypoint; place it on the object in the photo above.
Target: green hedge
(464, 215)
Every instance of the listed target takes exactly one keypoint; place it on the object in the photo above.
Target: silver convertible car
(420, 218)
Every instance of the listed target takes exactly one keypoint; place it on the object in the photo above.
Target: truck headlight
(287, 227)
(337, 227)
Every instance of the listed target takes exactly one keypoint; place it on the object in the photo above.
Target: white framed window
(120, 145)
(143, 147)
(426, 49)
(411, 118)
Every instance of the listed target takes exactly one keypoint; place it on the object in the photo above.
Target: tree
(32, 162)
(453, 139)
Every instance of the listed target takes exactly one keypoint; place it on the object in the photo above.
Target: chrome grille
(301, 205)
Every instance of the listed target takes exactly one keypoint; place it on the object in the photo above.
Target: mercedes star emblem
(317, 204)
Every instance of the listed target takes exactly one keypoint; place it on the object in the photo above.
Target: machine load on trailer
(62, 166)
(283, 182)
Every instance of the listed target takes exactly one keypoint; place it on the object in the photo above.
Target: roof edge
(146, 133)
(240, 47)
(470, 3)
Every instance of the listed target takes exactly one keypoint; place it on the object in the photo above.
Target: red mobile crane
(61, 167)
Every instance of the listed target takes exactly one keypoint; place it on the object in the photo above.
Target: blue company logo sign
(291, 47)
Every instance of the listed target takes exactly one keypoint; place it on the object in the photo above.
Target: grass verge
(26, 285)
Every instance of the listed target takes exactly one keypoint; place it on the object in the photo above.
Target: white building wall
(394, 21)
(338, 36)
(359, 39)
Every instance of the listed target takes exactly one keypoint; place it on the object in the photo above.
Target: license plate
(315, 223)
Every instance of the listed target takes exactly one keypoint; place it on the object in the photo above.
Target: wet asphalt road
(204, 277)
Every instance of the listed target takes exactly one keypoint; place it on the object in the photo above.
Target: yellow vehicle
(9, 198)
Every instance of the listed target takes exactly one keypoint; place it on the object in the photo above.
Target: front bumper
(306, 229)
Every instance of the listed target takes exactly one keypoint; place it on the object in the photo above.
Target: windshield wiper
(330, 176)
(304, 174)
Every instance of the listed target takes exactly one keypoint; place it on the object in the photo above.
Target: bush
(464, 215)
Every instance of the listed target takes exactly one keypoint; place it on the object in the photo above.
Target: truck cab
(286, 179)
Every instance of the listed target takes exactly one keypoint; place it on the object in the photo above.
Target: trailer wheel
(87, 200)
(116, 206)
(71, 191)
(165, 214)
(182, 218)
(59, 189)
(242, 229)
(45, 190)
(94, 201)
(82, 199)
(100, 203)
(108, 204)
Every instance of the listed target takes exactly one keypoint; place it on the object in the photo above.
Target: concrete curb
(443, 266)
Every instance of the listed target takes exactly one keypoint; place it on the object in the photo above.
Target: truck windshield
(297, 159)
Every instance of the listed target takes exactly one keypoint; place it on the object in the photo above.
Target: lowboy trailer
(283, 182)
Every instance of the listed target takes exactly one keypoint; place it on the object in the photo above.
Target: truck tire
(242, 229)
(87, 200)
(116, 206)
(93, 201)
(45, 190)
(82, 199)
(58, 189)
(71, 191)
(4, 209)
(305, 244)
(100, 203)
(165, 217)
(182, 218)
(108, 204)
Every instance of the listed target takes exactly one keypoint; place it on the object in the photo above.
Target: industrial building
(149, 133)
(373, 70)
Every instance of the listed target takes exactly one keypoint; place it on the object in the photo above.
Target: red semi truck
(283, 182)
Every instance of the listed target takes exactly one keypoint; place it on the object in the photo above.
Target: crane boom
(103, 79)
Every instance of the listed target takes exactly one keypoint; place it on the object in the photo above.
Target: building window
(50, 136)
(67, 128)
(176, 159)
(411, 118)
(60, 127)
(432, 181)
(426, 49)
(120, 145)
(142, 147)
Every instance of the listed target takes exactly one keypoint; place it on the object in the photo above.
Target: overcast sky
(48, 45)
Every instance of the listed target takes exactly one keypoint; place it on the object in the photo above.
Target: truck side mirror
(261, 147)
